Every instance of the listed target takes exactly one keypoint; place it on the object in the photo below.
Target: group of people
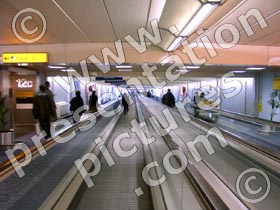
(44, 108)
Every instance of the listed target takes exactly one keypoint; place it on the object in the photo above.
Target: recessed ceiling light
(198, 18)
(123, 67)
(239, 71)
(191, 67)
(182, 70)
(22, 64)
(68, 70)
(175, 44)
(255, 68)
(56, 67)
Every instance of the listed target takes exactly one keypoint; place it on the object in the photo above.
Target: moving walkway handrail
(66, 191)
(268, 158)
(63, 196)
(241, 140)
(7, 165)
(196, 188)
(206, 192)
(270, 154)
(243, 117)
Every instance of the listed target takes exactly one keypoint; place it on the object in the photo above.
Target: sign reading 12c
(23, 83)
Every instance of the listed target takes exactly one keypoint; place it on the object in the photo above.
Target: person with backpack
(168, 99)
(75, 104)
(92, 102)
(125, 103)
(42, 110)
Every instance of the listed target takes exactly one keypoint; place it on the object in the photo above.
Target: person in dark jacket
(93, 102)
(125, 103)
(51, 97)
(149, 94)
(42, 110)
(168, 99)
(75, 104)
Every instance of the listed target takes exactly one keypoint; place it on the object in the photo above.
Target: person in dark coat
(149, 94)
(125, 103)
(75, 104)
(51, 97)
(42, 110)
(93, 102)
(168, 99)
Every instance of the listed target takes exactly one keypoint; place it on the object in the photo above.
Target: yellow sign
(24, 94)
(24, 57)
(260, 107)
(276, 83)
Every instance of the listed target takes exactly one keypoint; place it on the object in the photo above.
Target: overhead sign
(116, 82)
(23, 83)
(276, 83)
(24, 57)
(108, 78)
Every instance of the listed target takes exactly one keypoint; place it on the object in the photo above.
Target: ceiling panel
(266, 35)
(178, 13)
(7, 13)
(267, 40)
(104, 21)
(128, 16)
(7, 36)
(157, 7)
(266, 11)
(91, 17)
(57, 23)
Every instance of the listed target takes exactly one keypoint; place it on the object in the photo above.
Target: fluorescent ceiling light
(22, 64)
(157, 9)
(239, 72)
(208, 6)
(199, 17)
(123, 67)
(255, 68)
(56, 67)
(175, 44)
(191, 67)
(68, 70)
(182, 70)
(214, 1)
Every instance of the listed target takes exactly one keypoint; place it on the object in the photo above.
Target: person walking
(125, 103)
(149, 94)
(93, 102)
(168, 99)
(42, 110)
(196, 99)
(76, 103)
(51, 98)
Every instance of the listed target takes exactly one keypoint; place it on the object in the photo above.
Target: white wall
(243, 101)
(60, 93)
(192, 87)
(266, 88)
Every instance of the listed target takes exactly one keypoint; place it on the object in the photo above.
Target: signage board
(108, 78)
(276, 83)
(24, 57)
